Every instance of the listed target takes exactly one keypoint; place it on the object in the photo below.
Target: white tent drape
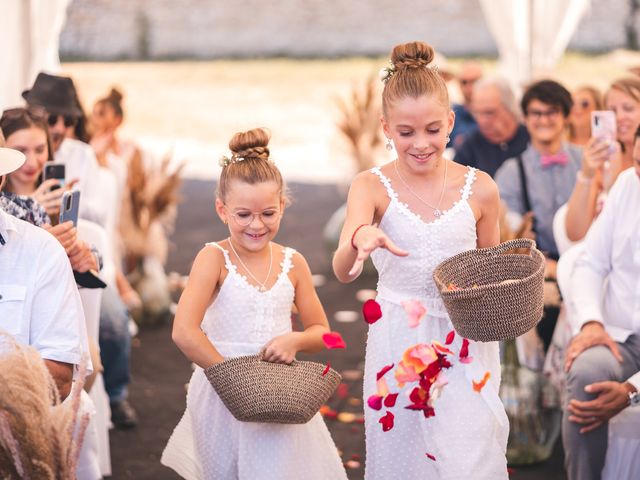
(531, 35)
(29, 32)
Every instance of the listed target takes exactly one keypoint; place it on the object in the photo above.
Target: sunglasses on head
(69, 121)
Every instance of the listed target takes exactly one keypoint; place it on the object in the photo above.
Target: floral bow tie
(560, 158)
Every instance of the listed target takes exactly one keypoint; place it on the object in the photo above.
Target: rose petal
(478, 386)
(326, 369)
(387, 421)
(375, 402)
(466, 360)
(405, 374)
(371, 311)
(333, 340)
(390, 400)
(415, 311)
(383, 388)
(452, 287)
(328, 412)
(342, 391)
(384, 370)
(450, 336)
(431, 457)
(438, 347)
(464, 349)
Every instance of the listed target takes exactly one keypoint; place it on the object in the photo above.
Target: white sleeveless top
(242, 318)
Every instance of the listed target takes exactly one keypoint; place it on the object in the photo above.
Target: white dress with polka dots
(468, 434)
(209, 443)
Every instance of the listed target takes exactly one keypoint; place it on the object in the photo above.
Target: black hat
(55, 94)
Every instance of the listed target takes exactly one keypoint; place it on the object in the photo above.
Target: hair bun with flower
(250, 145)
(409, 56)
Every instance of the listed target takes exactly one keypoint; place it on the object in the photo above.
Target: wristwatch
(634, 399)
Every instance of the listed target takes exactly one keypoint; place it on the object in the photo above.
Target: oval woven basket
(500, 293)
(258, 391)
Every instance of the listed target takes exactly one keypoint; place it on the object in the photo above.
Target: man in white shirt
(58, 97)
(39, 301)
(603, 359)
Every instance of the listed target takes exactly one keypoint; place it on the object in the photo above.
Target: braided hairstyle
(250, 163)
(412, 75)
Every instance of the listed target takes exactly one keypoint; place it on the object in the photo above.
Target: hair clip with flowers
(387, 72)
(226, 161)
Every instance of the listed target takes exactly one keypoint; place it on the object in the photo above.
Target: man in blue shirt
(469, 74)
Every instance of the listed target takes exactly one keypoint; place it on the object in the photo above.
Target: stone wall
(116, 29)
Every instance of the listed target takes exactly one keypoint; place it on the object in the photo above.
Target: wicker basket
(258, 391)
(500, 293)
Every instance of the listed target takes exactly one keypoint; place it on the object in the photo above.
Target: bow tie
(560, 158)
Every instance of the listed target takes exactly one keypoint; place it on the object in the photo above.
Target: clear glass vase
(534, 417)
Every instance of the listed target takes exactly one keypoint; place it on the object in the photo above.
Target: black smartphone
(70, 206)
(54, 170)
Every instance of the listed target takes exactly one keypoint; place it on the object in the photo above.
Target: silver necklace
(436, 210)
(263, 287)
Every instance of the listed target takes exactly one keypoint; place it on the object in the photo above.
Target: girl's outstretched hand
(366, 240)
(281, 349)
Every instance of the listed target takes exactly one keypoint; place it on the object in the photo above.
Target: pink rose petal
(375, 402)
(466, 360)
(333, 340)
(415, 311)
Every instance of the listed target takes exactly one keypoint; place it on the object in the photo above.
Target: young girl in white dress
(409, 215)
(238, 301)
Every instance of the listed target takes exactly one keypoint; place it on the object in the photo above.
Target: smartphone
(54, 170)
(603, 125)
(70, 206)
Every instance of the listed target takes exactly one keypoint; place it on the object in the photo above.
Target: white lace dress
(209, 443)
(468, 434)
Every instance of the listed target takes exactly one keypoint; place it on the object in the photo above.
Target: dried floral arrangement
(359, 123)
(149, 210)
(40, 437)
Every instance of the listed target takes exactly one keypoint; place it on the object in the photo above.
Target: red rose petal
(375, 402)
(371, 311)
(387, 421)
(326, 369)
(384, 370)
(464, 349)
(431, 457)
(333, 340)
(390, 400)
(343, 390)
(450, 336)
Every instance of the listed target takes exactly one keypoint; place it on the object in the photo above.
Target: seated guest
(541, 179)
(586, 99)
(499, 135)
(603, 359)
(470, 73)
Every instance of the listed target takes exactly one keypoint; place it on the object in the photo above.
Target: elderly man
(499, 135)
(603, 359)
(469, 74)
(39, 302)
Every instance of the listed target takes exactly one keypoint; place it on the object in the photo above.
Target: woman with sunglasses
(603, 161)
(586, 99)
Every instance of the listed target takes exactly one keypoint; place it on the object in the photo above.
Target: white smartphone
(603, 125)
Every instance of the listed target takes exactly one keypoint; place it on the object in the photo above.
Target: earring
(448, 138)
(389, 145)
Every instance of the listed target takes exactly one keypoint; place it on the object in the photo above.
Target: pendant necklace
(436, 210)
(263, 287)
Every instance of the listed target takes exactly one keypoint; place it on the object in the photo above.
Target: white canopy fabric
(531, 35)
(29, 33)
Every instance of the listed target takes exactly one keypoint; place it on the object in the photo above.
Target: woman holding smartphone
(602, 160)
(26, 131)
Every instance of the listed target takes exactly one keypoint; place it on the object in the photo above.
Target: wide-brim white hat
(10, 160)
